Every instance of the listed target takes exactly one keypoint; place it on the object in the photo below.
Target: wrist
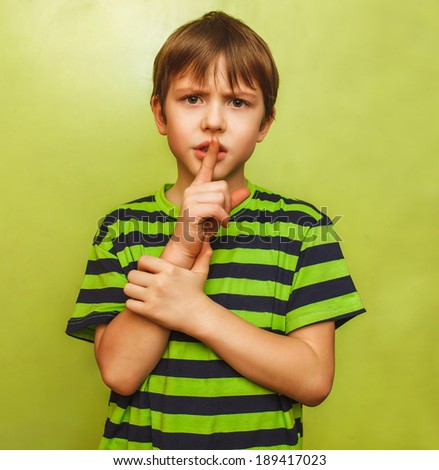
(204, 319)
(175, 253)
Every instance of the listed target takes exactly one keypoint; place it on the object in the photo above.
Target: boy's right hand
(206, 206)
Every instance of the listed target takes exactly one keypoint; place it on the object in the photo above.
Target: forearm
(128, 349)
(176, 253)
(288, 365)
(130, 346)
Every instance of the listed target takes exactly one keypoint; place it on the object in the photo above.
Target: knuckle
(223, 185)
(172, 270)
(222, 198)
(142, 261)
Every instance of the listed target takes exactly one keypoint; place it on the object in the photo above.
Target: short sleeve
(101, 296)
(322, 288)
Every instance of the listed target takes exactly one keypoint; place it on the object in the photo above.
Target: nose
(214, 119)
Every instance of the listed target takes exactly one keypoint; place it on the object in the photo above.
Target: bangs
(200, 68)
(193, 49)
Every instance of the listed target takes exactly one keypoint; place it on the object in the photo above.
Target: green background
(356, 132)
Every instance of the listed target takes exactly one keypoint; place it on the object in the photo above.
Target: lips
(204, 147)
(201, 150)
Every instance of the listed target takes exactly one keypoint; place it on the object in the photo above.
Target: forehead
(217, 75)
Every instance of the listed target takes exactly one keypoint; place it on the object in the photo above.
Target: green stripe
(188, 387)
(98, 253)
(277, 228)
(100, 281)
(82, 310)
(145, 227)
(130, 415)
(247, 255)
(190, 351)
(202, 424)
(263, 319)
(247, 287)
(324, 310)
(134, 252)
(321, 272)
(320, 235)
(118, 443)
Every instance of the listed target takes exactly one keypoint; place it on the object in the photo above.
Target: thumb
(238, 196)
(202, 261)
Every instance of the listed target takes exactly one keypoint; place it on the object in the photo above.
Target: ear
(157, 111)
(265, 126)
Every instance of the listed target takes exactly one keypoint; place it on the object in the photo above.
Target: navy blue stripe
(125, 214)
(182, 337)
(130, 432)
(321, 254)
(342, 319)
(194, 369)
(150, 198)
(92, 319)
(215, 441)
(138, 238)
(103, 266)
(321, 291)
(284, 244)
(98, 296)
(208, 406)
(264, 196)
(259, 272)
(251, 303)
(104, 228)
(298, 217)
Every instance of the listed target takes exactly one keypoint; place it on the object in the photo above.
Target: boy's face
(195, 113)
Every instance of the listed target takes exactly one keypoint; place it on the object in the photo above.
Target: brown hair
(196, 45)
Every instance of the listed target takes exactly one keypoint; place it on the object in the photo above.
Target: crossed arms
(299, 365)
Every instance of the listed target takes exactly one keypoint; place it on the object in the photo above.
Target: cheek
(176, 134)
(248, 135)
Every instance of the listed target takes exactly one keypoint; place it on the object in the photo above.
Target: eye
(238, 103)
(192, 99)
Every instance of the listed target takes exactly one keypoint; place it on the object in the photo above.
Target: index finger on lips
(205, 173)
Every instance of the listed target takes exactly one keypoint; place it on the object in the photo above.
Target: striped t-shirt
(278, 265)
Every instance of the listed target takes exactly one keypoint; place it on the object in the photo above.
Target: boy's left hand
(167, 294)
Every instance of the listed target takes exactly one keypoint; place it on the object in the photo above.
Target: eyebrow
(191, 90)
(197, 90)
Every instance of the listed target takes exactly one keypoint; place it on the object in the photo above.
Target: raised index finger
(205, 173)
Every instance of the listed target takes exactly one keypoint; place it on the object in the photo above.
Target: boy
(212, 303)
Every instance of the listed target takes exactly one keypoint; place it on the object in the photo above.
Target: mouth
(201, 150)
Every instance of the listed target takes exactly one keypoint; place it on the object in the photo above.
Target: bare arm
(127, 350)
(130, 346)
(300, 365)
